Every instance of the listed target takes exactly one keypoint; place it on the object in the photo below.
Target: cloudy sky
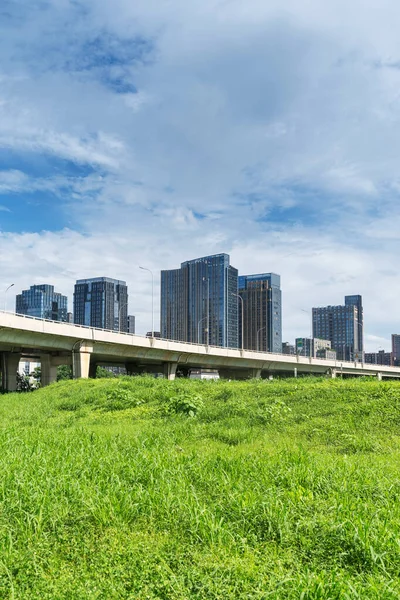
(157, 131)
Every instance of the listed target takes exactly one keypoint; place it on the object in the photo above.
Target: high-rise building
(288, 348)
(343, 326)
(262, 312)
(199, 302)
(396, 349)
(314, 347)
(101, 302)
(43, 302)
(131, 324)
(378, 358)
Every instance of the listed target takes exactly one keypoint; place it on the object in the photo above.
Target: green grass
(140, 488)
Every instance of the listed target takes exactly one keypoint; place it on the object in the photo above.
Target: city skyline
(355, 300)
(137, 139)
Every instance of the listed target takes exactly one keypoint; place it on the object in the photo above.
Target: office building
(101, 302)
(343, 326)
(314, 348)
(288, 348)
(262, 312)
(199, 302)
(395, 349)
(378, 358)
(131, 324)
(43, 302)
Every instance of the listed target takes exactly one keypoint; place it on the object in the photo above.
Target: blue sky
(155, 132)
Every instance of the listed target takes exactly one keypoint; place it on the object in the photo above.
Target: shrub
(184, 403)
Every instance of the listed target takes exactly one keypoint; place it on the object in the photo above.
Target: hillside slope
(141, 489)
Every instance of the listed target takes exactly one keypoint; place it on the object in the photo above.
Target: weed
(281, 489)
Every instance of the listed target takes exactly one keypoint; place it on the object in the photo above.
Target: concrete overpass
(54, 343)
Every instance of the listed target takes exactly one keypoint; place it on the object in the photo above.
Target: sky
(158, 131)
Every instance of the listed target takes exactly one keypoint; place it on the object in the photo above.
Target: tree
(64, 372)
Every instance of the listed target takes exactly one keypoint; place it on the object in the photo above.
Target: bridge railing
(192, 344)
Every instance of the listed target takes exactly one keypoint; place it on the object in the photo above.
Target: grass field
(139, 488)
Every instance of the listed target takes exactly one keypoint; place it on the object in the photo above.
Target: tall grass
(141, 489)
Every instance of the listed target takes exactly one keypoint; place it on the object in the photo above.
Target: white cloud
(269, 130)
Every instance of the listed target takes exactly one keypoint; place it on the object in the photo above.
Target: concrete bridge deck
(54, 343)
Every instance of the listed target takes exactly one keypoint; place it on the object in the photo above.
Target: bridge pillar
(379, 376)
(333, 373)
(255, 373)
(295, 372)
(9, 368)
(48, 370)
(170, 370)
(81, 361)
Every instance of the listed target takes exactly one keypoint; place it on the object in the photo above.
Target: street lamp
(119, 314)
(311, 334)
(152, 298)
(208, 310)
(5, 296)
(258, 345)
(240, 297)
(198, 329)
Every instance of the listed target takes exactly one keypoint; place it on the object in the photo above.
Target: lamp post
(208, 310)
(119, 315)
(198, 329)
(240, 297)
(5, 296)
(152, 298)
(311, 334)
(259, 330)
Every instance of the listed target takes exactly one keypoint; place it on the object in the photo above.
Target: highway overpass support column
(255, 373)
(379, 376)
(333, 373)
(9, 368)
(81, 360)
(48, 370)
(170, 370)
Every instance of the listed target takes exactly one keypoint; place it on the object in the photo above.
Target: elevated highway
(54, 343)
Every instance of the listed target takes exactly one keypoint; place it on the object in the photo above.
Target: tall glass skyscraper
(395, 349)
(199, 303)
(101, 302)
(343, 326)
(43, 302)
(262, 312)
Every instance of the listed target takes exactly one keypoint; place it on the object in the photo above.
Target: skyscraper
(131, 324)
(262, 312)
(101, 302)
(395, 349)
(343, 326)
(43, 302)
(199, 302)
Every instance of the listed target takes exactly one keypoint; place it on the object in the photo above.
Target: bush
(184, 403)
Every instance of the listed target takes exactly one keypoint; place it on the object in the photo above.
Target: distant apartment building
(315, 348)
(262, 312)
(378, 358)
(101, 302)
(199, 302)
(131, 324)
(288, 348)
(396, 349)
(43, 302)
(70, 317)
(343, 326)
